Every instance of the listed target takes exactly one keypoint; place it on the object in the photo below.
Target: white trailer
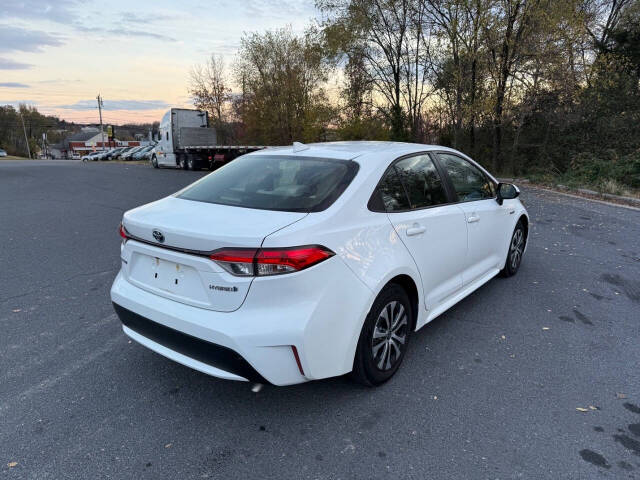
(187, 141)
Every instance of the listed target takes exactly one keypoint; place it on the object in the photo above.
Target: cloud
(7, 64)
(13, 85)
(139, 33)
(144, 18)
(133, 105)
(124, 32)
(285, 9)
(23, 40)
(60, 11)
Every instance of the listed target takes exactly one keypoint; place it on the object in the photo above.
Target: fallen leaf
(580, 409)
(168, 445)
(12, 464)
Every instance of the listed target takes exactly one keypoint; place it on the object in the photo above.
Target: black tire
(154, 162)
(515, 252)
(371, 365)
(182, 163)
(191, 164)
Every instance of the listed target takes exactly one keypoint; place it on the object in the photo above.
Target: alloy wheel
(516, 248)
(389, 336)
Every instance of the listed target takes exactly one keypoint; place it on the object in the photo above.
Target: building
(90, 140)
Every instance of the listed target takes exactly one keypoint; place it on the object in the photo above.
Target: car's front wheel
(384, 337)
(154, 161)
(516, 250)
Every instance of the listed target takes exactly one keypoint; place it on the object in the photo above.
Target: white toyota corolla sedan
(311, 261)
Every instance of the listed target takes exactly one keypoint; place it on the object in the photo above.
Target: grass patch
(13, 157)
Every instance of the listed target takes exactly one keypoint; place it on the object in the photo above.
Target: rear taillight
(269, 261)
(123, 232)
(238, 261)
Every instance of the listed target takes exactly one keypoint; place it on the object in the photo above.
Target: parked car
(150, 153)
(139, 155)
(102, 155)
(112, 155)
(90, 157)
(118, 155)
(129, 154)
(295, 264)
(3, 153)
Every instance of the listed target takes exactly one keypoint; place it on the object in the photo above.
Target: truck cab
(175, 145)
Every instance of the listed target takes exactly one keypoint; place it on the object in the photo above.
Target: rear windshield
(270, 182)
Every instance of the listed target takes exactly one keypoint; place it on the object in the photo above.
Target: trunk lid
(177, 266)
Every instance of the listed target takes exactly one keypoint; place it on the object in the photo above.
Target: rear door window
(421, 180)
(394, 196)
(271, 182)
(410, 183)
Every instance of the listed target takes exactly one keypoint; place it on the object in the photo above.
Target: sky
(59, 54)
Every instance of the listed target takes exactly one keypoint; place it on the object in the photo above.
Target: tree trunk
(497, 131)
(472, 120)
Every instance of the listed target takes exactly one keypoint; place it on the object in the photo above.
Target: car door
(433, 230)
(486, 220)
(164, 152)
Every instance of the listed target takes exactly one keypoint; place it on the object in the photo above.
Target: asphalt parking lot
(490, 390)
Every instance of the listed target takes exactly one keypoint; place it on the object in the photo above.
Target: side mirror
(507, 191)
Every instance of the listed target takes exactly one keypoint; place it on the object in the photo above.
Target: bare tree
(209, 88)
(388, 35)
(601, 19)
(507, 34)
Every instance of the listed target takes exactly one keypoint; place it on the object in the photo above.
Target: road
(489, 390)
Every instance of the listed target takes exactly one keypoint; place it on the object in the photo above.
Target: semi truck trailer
(187, 141)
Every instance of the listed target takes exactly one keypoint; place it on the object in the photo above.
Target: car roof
(349, 150)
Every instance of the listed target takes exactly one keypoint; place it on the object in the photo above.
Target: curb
(581, 192)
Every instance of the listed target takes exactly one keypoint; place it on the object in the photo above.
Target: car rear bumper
(318, 311)
(192, 351)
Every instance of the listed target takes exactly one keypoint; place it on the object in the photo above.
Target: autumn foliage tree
(535, 87)
(283, 97)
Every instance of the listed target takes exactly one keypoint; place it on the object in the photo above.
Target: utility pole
(25, 135)
(99, 98)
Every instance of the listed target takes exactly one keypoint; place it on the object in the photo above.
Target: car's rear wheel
(154, 161)
(191, 164)
(384, 337)
(516, 250)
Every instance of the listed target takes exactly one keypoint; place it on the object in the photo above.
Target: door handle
(473, 219)
(415, 230)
